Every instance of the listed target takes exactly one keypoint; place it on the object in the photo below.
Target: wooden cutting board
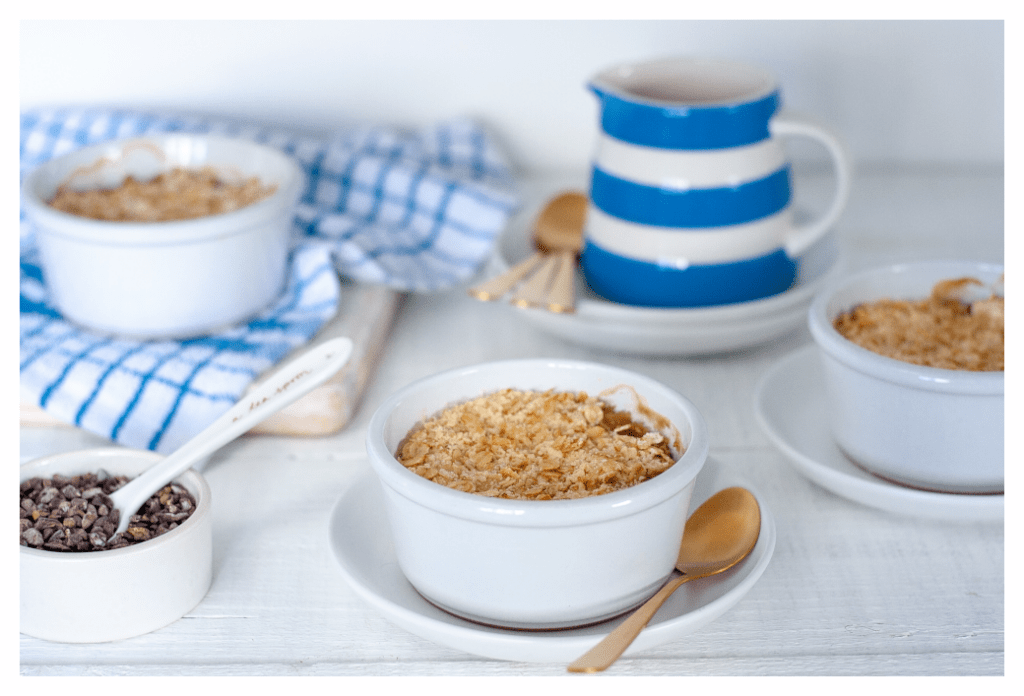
(365, 315)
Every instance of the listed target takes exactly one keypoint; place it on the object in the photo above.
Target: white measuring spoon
(284, 387)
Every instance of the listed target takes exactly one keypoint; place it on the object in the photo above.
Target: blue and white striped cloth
(417, 212)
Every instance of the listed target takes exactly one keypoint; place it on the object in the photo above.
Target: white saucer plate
(360, 539)
(654, 331)
(790, 406)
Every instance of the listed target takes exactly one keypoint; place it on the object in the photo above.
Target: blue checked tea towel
(417, 212)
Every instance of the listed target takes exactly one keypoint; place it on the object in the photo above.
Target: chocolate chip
(75, 513)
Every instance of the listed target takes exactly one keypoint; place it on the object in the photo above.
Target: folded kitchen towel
(416, 212)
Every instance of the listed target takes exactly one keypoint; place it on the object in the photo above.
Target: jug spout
(599, 91)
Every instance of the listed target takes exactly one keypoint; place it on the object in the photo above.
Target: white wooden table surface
(850, 590)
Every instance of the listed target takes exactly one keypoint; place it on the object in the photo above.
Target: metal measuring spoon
(719, 534)
(284, 387)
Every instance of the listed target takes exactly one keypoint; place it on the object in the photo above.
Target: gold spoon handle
(562, 297)
(534, 290)
(497, 287)
(604, 654)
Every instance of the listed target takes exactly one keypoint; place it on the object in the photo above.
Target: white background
(900, 93)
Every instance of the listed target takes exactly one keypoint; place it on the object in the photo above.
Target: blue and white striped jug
(690, 196)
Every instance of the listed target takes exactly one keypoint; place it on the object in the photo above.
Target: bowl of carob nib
(124, 584)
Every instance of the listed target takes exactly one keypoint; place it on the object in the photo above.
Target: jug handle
(786, 125)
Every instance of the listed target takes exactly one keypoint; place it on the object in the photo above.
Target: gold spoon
(719, 534)
(546, 278)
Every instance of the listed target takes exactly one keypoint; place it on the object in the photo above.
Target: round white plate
(360, 538)
(790, 406)
(655, 331)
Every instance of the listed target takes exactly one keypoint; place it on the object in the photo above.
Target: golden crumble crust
(535, 445)
(177, 194)
(943, 330)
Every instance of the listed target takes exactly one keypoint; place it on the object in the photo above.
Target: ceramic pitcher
(690, 195)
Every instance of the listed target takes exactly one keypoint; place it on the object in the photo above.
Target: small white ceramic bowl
(164, 279)
(527, 563)
(101, 596)
(925, 427)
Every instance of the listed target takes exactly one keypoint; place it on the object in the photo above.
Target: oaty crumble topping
(942, 330)
(178, 194)
(535, 445)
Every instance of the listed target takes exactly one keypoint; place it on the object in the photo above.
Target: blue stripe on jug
(643, 283)
(684, 128)
(710, 207)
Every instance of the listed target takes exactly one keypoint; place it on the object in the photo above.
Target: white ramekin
(164, 279)
(925, 427)
(101, 596)
(534, 564)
